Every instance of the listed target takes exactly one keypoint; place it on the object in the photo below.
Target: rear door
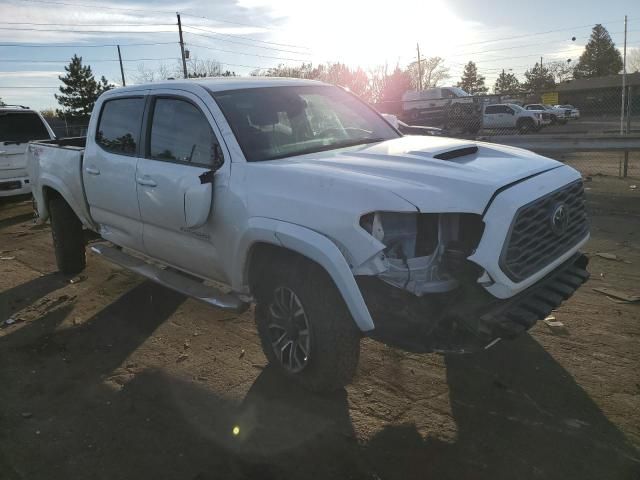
(180, 147)
(109, 170)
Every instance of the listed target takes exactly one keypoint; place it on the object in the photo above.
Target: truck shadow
(519, 414)
(24, 295)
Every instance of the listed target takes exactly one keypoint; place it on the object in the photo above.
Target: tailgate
(13, 160)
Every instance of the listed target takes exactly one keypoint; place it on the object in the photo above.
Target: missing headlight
(425, 253)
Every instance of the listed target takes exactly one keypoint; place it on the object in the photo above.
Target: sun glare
(372, 33)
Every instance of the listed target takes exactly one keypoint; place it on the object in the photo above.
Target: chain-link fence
(584, 107)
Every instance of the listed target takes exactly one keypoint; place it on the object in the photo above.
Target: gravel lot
(108, 376)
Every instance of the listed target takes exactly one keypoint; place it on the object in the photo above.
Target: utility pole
(124, 84)
(184, 61)
(419, 69)
(624, 77)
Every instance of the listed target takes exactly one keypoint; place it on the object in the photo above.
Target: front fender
(314, 246)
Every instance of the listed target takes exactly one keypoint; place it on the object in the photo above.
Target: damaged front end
(425, 295)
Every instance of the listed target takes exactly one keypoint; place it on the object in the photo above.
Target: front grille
(532, 243)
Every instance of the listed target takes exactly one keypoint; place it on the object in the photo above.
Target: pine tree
(538, 78)
(80, 90)
(600, 56)
(506, 83)
(471, 82)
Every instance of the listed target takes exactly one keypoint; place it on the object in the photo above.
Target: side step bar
(172, 279)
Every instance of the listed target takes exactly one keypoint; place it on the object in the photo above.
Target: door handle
(147, 182)
(92, 171)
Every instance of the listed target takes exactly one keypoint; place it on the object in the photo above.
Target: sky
(38, 37)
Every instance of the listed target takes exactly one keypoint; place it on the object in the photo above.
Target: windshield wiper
(333, 146)
(12, 142)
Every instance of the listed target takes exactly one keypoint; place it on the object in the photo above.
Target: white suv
(18, 126)
(510, 115)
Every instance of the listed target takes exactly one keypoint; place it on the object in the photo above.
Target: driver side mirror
(217, 160)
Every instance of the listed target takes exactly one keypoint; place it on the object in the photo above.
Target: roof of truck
(217, 84)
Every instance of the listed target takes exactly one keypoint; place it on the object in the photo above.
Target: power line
(244, 37)
(241, 43)
(244, 53)
(95, 24)
(565, 29)
(80, 45)
(87, 61)
(85, 31)
(102, 7)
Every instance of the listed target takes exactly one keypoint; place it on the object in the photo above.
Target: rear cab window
(119, 125)
(22, 127)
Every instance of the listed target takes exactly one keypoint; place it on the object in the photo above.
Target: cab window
(119, 125)
(180, 132)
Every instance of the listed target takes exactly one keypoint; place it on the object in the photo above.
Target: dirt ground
(112, 377)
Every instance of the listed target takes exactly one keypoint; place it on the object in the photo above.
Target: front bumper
(14, 186)
(469, 318)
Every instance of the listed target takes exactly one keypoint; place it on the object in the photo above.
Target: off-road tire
(335, 339)
(525, 125)
(68, 237)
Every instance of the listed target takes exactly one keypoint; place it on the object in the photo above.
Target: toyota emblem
(560, 219)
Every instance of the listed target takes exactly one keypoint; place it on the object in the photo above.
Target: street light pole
(624, 77)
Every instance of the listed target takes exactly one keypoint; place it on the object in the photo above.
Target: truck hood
(409, 168)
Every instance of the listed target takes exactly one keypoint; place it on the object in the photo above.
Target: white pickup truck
(299, 197)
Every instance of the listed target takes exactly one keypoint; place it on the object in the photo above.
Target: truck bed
(57, 164)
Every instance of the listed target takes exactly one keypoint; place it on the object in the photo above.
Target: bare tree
(433, 72)
(147, 75)
(197, 68)
(561, 71)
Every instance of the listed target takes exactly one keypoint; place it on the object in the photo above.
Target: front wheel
(525, 125)
(305, 328)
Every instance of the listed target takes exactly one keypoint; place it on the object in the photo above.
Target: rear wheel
(305, 328)
(68, 237)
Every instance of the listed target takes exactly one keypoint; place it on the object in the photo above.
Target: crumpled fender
(318, 248)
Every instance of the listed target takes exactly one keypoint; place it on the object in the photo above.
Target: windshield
(459, 92)
(517, 108)
(278, 122)
(21, 127)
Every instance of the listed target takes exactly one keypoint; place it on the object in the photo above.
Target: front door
(174, 186)
(109, 171)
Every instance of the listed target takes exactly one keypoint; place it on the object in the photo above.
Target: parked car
(411, 129)
(510, 115)
(299, 197)
(447, 107)
(570, 109)
(557, 115)
(18, 126)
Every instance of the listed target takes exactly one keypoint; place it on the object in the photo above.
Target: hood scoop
(456, 153)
